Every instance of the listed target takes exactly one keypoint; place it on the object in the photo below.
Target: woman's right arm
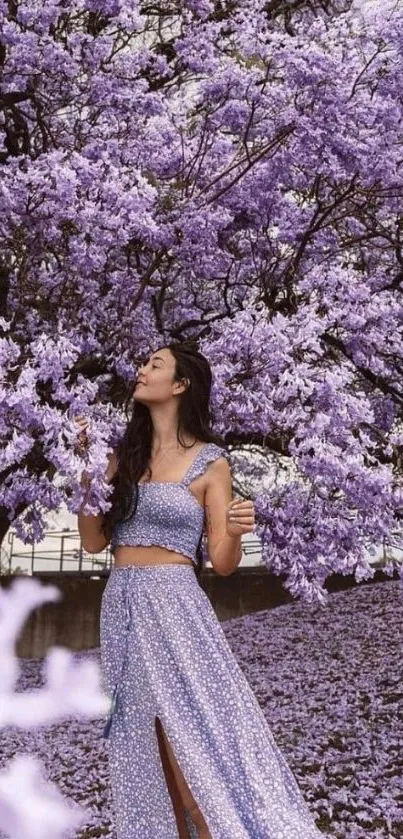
(92, 536)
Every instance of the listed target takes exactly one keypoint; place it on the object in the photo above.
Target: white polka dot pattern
(163, 647)
(168, 514)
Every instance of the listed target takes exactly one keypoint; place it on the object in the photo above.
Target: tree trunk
(4, 524)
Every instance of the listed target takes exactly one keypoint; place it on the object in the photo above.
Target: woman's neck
(172, 446)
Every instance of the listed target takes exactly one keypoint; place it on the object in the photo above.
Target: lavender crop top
(168, 514)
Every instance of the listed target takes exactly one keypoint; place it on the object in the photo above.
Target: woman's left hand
(240, 517)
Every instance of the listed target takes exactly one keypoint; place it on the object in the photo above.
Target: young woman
(190, 752)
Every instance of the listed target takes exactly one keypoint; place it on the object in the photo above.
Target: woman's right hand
(82, 424)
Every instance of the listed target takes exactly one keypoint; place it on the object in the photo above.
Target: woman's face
(155, 379)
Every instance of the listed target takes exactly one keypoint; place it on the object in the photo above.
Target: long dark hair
(133, 451)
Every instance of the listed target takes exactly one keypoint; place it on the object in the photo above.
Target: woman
(190, 752)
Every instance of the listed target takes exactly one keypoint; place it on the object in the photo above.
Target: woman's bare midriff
(148, 555)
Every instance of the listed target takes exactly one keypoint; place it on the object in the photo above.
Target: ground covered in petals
(330, 683)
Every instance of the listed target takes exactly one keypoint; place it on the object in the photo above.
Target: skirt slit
(183, 805)
(178, 804)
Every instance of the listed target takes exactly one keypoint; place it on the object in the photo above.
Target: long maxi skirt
(165, 654)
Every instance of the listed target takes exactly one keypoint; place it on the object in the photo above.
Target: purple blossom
(230, 175)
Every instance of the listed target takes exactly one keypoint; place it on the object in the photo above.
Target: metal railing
(68, 556)
(63, 549)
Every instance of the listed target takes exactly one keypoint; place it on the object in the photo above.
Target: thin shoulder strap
(206, 455)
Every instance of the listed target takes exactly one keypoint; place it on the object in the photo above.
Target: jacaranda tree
(229, 171)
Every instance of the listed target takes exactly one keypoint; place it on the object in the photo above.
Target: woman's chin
(138, 397)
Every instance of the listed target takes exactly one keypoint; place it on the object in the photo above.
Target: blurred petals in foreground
(16, 603)
(71, 687)
(32, 808)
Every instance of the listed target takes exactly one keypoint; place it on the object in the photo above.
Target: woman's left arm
(227, 519)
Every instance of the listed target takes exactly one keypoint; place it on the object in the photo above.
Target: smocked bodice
(168, 515)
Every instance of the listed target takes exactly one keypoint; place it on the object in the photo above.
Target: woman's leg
(172, 785)
(185, 794)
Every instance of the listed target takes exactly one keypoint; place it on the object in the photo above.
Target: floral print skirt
(164, 654)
